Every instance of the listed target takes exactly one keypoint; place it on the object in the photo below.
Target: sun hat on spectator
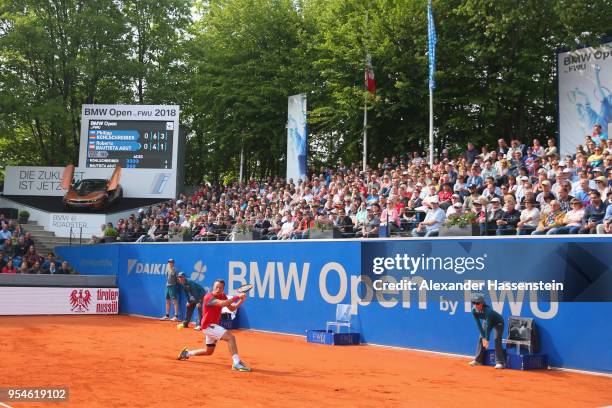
(567, 170)
(546, 182)
(433, 199)
(524, 178)
(562, 163)
(597, 170)
(601, 178)
(495, 200)
(457, 205)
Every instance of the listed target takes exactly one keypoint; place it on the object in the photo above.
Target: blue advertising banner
(297, 285)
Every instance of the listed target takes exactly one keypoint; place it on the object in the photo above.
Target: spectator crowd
(514, 188)
(18, 253)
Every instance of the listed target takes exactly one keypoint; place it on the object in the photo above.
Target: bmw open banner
(297, 138)
(585, 94)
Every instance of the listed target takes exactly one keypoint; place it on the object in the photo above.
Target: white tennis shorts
(213, 333)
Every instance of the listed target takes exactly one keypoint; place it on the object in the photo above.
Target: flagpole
(241, 162)
(365, 105)
(431, 134)
(431, 51)
(365, 132)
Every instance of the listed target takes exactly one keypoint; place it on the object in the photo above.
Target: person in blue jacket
(492, 322)
(194, 293)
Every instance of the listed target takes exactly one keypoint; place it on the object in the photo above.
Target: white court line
(5, 406)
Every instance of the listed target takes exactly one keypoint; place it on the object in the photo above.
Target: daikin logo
(199, 270)
(147, 268)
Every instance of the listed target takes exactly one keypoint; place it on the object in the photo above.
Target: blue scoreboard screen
(130, 144)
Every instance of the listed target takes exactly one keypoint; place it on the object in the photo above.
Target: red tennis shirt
(212, 314)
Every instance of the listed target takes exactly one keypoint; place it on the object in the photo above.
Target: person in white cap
(430, 226)
(456, 207)
(492, 216)
(454, 210)
(522, 187)
(602, 185)
(566, 174)
(546, 188)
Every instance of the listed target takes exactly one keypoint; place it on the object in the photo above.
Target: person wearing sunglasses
(493, 321)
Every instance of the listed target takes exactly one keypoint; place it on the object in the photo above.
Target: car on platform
(92, 194)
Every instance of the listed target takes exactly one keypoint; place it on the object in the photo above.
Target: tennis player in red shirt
(213, 303)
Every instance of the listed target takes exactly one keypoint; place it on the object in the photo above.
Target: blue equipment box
(332, 338)
(519, 361)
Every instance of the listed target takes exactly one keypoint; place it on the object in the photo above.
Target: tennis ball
(180, 326)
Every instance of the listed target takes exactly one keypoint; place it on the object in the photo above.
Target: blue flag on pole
(431, 31)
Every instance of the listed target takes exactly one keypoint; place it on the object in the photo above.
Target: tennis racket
(242, 289)
(245, 288)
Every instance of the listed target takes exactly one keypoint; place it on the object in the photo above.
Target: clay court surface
(121, 361)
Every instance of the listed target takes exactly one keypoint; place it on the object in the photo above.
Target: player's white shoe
(499, 366)
(474, 363)
(164, 318)
(175, 319)
(240, 367)
(198, 327)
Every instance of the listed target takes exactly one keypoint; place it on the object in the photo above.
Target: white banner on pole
(585, 94)
(297, 138)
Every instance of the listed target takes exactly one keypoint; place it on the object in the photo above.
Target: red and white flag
(370, 82)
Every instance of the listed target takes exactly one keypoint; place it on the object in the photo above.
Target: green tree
(55, 57)
(246, 60)
(58, 55)
(157, 32)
